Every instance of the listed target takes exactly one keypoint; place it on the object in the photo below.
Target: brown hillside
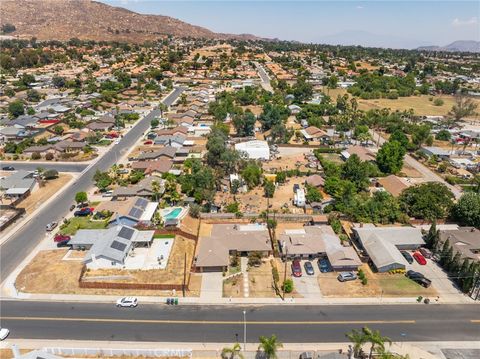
(86, 19)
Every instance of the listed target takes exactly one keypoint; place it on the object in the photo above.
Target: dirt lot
(379, 284)
(255, 201)
(39, 196)
(61, 276)
(233, 287)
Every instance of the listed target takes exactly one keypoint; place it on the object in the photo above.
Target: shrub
(49, 156)
(36, 156)
(364, 281)
(287, 286)
(275, 275)
(438, 102)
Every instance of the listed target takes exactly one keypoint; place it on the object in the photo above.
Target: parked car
(4, 333)
(309, 268)
(419, 278)
(127, 302)
(425, 252)
(107, 194)
(8, 168)
(63, 244)
(83, 212)
(117, 141)
(296, 187)
(61, 238)
(51, 226)
(407, 257)
(419, 258)
(149, 142)
(306, 355)
(72, 207)
(346, 276)
(324, 265)
(296, 268)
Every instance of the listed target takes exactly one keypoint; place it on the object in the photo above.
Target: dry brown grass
(233, 287)
(48, 273)
(379, 284)
(260, 281)
(42, 194)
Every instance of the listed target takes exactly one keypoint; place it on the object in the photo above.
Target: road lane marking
(216, 322)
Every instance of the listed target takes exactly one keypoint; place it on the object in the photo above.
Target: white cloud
(467, 22)
(359, 7)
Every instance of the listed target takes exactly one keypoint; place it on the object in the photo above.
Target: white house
(255, 149)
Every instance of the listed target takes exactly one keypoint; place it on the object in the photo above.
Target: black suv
(418, 278)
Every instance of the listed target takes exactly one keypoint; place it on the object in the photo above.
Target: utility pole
(285, 271)
(184, 274)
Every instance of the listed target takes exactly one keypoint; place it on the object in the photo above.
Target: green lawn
(76, 223)
(103, 142)
(401, 285)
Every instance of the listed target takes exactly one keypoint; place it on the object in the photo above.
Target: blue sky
(372, 23)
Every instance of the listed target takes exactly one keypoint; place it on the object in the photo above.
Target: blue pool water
(173, 214)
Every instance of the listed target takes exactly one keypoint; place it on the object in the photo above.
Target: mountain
(368, 39)
(456, 46)
(91, 20)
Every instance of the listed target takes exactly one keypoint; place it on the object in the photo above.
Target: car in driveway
(418, 278)
(407, 256)
(296, 268)
(425, 252)
(51, 226)
(324, 265)
(419, 258)
(4, 332)
(83, 212)
(8, 168)
(346, 276)
(129, 302)
(62, 240)
(308, 268)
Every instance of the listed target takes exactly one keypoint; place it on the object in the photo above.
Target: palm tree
(358, 339)
(376, 340)
(233, 352)
(270, 346)
(156, 189)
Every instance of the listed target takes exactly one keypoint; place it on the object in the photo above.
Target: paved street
(303, 324)
(13, 251)
(264, 77)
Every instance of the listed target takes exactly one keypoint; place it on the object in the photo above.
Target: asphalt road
(264, 77)
(60, 167)
(308, 324)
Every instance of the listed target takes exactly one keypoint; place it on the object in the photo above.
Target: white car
(127, 302)
(51, 226)
(117, 141)
(4, 333)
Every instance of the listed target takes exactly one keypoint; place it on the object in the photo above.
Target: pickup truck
(418, 278)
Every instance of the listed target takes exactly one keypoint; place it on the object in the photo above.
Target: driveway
(307, 285)
(212, 285)
(440, 281)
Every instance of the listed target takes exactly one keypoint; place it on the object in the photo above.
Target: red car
(148, 142)
(419, 258)
(296, 268)
(61, 238)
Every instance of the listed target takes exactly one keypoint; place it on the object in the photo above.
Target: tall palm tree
(156, 189)
(270, 346)
(358, 339)
(376, 340)
(233, 352)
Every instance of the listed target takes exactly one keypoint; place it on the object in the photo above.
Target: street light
(244, 330)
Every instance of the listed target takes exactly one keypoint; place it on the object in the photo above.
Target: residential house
(255, 149)
(130, 211)
(440, 153)
(213, 252)
(383, 244)
(393, 184)
(313, 133)
(19, 184)
(108, 248)
(465, 240)
(141, 189)
(176, 141)
(156, 167)
(316, 181)
(362, 152)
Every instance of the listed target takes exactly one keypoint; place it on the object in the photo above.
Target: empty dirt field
(379, 285)
(42, 194)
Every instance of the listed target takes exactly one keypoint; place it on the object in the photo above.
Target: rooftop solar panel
(142, 203)
(126, 233)
(118, 245)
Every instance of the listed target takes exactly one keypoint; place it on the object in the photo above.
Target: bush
(275, 275)
(36, 156)
(49, 156)
(364, 281)
(438, 102)
(287, 286)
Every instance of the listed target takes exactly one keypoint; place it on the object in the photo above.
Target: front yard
(76, 223)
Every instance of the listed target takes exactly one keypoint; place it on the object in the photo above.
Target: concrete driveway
(440, 281)
(307, 285)
(212, 285)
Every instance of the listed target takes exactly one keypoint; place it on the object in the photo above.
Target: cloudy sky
(386, 23)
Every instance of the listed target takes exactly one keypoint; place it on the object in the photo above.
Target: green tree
(313, 194)
(269, 189)
(467, 210)
(427, 200)
(358, 339)
(355, 171)
(251, 174)
(244, 124)
(463, 107)
(233, 352)
(288, 286)
(16, 108)
(81, 197)
(50, 174)
(33, 95)
(269, 346)
(376, 340)
(399, 136)
(154, 123)
(390, 157)
(432, 237)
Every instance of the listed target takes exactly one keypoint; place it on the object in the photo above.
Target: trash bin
(426, 301)
(176, 301)
(168, 300)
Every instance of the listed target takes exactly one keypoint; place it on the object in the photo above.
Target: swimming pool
(173, 214)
